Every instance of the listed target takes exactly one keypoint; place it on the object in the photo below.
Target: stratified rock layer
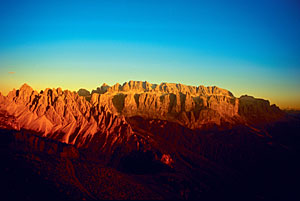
(258, 111)
(190, 106)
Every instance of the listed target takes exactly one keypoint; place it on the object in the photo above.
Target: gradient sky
(248, 47)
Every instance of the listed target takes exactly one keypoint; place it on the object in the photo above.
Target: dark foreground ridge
(223, 165)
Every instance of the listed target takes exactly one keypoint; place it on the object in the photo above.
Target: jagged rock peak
(62, 115)
(25, 87)
(1, 97)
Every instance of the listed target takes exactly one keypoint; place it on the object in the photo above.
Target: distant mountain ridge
(190, 106)
(54, 110)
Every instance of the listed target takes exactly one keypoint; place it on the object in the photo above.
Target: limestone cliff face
(257, 111)
(190, 106)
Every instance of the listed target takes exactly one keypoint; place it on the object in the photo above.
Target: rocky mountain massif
(167, 141)
(190, 106)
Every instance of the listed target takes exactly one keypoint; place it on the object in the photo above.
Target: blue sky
(248, 47)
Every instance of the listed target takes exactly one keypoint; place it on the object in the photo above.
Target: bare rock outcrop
(190, 106)
(61, 115)
(2, 98)
(257, 111)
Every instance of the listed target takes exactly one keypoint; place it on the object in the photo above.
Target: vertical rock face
(190, 106)
(258, 111)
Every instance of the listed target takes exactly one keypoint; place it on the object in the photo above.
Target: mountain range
(173, 141)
